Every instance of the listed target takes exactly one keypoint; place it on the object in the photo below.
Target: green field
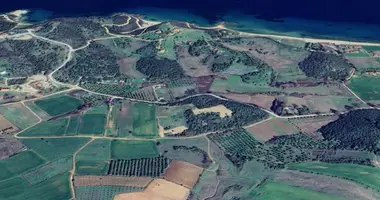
(54, 148)
(18, 115)
(41, 113)
(92, 124)
(144, 120)
(365, 175)
(121, 120)
(235, 84)
(366, 87)
(133, 149)
(274, 190)
(48, 170)
(102, 192)
(94, 158)
(371, 48)
(360, 54)
(19, 164)
(17, 188)
(172, 116)
(48, 128)
(72, 127)
(58, 105)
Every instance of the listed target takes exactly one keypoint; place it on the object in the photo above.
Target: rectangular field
(19, 115)
(48, 128)
(19, 164)
(365, 175)
(120, 123)
(133, 149)
(58, 105)
(152, 167)
(92, 124)
(183, 173)
(273, 127)
(111, 181)
(274, 190)
(366, 87)
(144, 120)
(6, 126)
(102, 192)
(94, 158)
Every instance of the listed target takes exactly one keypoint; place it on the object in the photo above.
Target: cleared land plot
(94, 158)
(48, 128)
(234, 83)
(274, 190)
(133, 149)
(152, 167)
(120, 122)
(102, 192)
(6, 126)
(221, 109)
(144, 120)
(368, 176)
(18, 115)
(172, 116)
(54, 148)
(366, 87)
(72, 127)
(326, 184)
(365, 63)
(273, 127)
(36, 109)
(183, 173)
(10, 146)
(48, 170)
(58, 105)
(17, 188)
(158, 189)
(111, 181)
(311, 125)
(261, 100)
(19, 164)
(92, 124)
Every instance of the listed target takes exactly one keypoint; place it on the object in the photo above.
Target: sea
(329, 19)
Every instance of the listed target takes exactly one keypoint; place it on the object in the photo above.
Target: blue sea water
(338, 19)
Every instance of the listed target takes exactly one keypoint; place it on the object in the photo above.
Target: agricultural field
(151, 167)
(368, 176)
(102, 192)
(120, 121)
(170, 117)
(366, 86)
(19, 115)
(274, 190)
(133, 149)
(58, 105)
(129, 181)
(273, 127)
(144, 120)
(54, 148)
(19, 164)
(93, 121)
(10, 146)
(36, 109)
(183, 173)
(48, 128)
(6, 126)
(94, 158)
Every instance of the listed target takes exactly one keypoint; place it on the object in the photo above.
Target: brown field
(127, 67)
(158, 189)
(204, 83)
(6, 126)
(182, 173)
(273, 127)
(364, 62)
(221, 109)
(261, 100)
(326, 184)
(112, 181)
(176, 130)
(192, 65)
(311, 125)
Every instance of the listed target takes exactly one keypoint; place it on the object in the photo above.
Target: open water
(338, 19)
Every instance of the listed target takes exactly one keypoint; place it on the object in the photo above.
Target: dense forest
(356, 130)
(326, 66)
(160, 68)
(5, 25)
(241, 115)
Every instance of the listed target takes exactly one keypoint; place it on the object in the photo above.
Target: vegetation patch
(221, 109)
(366, 87)
(103, 192)
(365, 175)
(133, 149)
(48, 170)
(48, 128)
(152, 167)
(92, 124)
(19, 164)
(326, 66)
(18, 115)
(58, 105)
(162, 68)
(94, 158)
(144, 120)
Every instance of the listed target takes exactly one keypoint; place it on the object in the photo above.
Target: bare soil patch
(311, 125)
(204, 83)
(273, 127)
(261, 100)
(10, 146)
(6, 126)
(221, 109)
(112, 181)
(192, 65)
(127, 67)
(183, 173)
(158, 189)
